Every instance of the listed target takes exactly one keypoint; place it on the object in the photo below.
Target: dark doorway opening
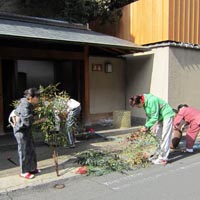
(70, 75)
(9, 76)
(19, 75)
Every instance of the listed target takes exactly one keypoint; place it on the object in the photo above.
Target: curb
(113, 132)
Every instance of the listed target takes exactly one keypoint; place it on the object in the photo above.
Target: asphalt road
(179, 180)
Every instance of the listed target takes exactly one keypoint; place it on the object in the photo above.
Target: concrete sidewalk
(9, 172)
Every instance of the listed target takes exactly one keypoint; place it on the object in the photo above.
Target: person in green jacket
(159, 120)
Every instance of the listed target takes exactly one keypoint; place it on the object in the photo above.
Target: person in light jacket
(159, 115)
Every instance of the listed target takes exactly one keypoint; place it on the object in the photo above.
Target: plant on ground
(140, 147)
(99, 162)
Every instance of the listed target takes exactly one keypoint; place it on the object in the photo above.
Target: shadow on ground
(44, 155)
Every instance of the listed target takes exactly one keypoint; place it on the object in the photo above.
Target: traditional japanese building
(88, 65)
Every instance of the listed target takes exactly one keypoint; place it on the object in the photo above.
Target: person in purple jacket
(191, 116)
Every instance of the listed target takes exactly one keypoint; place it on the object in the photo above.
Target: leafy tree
(81, 11)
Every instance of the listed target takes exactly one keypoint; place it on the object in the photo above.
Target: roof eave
(131, 49)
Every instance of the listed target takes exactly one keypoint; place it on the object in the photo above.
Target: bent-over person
(160, 114)
(22, 123)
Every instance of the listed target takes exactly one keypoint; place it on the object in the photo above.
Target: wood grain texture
(151, 21)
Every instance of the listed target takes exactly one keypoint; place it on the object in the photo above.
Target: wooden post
(1, 100)
(55, 158)
(86, 84)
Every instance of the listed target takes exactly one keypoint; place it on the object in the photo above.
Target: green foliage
(15, 103)
(52, 104)
(79, 11)
(139, 149)
(100, 163)
(52, 108)
(140, 146)
(49, 92)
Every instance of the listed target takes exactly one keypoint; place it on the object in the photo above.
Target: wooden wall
(151, 21)
(184, 23)
(121, 29)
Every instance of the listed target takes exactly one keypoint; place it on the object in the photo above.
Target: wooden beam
(29, 53)
(86, 84)
(107, 50)
(119, 50)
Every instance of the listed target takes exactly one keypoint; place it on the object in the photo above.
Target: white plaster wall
(138, 79)
(147, 73)
(184, 79)
(160, 73)
(38, 72)
(107, 90)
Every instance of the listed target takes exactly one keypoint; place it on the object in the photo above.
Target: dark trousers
(26, 152)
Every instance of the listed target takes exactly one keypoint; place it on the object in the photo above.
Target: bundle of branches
(52, 107)
(99, 163)
(140, 147)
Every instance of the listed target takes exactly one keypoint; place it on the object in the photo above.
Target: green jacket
(156, 110)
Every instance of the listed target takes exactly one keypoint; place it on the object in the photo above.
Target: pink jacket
(188, 114)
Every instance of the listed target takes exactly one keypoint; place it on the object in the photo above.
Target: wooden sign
(97, 67)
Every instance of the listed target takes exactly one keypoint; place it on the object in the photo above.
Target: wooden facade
(184, 23)
(152, 21)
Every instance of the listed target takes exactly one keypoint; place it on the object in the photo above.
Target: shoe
(152, 157)
(159, 162)
(36, 171)
(189, 150)
(27, 175)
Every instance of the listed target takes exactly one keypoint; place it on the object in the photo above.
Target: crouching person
(159, 115)
(191, 117)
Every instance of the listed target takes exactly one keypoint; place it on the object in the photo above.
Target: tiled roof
(52, 30)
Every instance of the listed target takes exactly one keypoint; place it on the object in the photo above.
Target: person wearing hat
(160, 115)
(191, 117)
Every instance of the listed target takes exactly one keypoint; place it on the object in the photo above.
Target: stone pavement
(9, 172)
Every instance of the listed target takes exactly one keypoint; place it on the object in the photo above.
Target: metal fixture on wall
(108, 68)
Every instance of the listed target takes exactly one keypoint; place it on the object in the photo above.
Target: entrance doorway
(70, 75)
(18, 75)
(9, 75)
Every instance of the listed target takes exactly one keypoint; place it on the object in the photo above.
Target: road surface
(179, 180)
